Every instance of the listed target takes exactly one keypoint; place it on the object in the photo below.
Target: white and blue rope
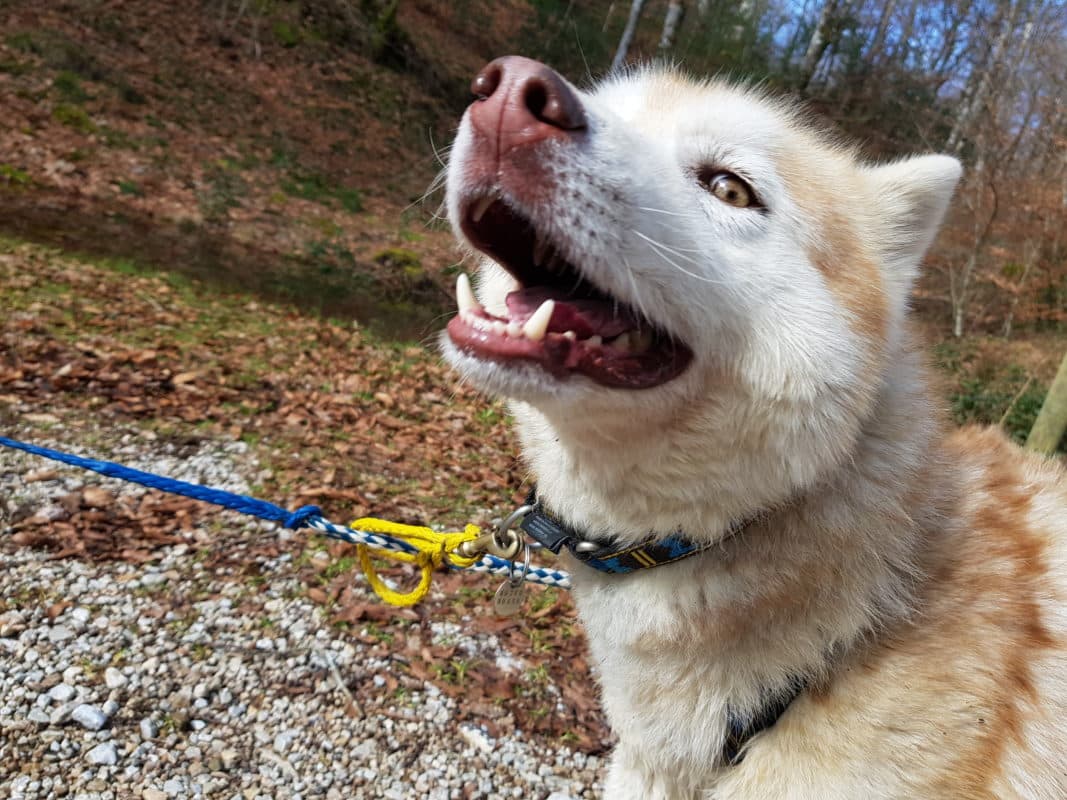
(307, 516)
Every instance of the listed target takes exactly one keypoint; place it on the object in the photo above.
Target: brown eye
(729, 188)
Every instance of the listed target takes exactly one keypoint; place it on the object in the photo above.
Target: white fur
(791, 408)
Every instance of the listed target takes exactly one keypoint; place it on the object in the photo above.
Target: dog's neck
(806, 581)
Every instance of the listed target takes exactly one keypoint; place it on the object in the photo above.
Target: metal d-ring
(502, 541)
(525, 567)
(505, 528)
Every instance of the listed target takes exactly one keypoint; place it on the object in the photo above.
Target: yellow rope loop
(434, 549)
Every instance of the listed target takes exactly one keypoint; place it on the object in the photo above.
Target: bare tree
(1051, 423)
(627, 38)
(983, 73)
(818, 43)
(671, 20)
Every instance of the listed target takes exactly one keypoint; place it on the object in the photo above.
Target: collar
(740, 730)
(604, 556)
(554, 535)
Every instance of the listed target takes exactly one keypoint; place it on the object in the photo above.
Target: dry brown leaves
(335, 418)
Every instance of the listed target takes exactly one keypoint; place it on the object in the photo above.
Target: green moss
(14, 176)
(285, 34)
(319, 189)
(69, 87)
(130, 188)
(74, 117)
(399, 258)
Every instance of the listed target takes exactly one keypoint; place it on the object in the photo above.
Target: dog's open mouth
(557, 318)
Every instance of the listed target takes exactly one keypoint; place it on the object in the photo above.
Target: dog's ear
(911, 196)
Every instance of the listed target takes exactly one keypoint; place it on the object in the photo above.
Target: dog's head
(661, 254)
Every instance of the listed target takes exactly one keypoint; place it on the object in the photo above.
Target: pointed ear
(911, 197)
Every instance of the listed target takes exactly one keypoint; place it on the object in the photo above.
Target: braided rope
(304, 517)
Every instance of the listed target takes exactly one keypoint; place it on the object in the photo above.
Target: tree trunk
(979, 92)
(627, 35)
(817, 44)
(877, 45)
(671, 21)
(1051, 423)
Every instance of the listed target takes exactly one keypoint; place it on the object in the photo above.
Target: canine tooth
(622, 342)
(595, 341)
(641, 341)
(570, 335)
(465, 295)
(537, 325)
(514, 330)
(480, 208)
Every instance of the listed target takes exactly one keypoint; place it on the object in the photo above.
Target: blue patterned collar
(607, 556)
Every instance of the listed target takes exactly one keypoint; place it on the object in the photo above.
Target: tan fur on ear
(912, 196)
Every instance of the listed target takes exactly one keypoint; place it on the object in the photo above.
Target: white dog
(794, 582)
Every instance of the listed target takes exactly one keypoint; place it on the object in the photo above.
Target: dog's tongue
(586, 317)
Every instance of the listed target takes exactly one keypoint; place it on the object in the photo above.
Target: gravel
(175, 680)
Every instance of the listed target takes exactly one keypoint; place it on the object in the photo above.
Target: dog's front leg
(631, 777)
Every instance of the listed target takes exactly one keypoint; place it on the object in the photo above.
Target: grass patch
(69, 87)
(13, 176)
(74, 117)
(987, 391)
(318, 188)
(130, 188)
(286, 34)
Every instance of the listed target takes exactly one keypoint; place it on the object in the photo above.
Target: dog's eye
(729, 188)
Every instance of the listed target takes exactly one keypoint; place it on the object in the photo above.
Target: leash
(493, 552)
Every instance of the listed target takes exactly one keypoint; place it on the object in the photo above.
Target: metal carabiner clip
(502, 541)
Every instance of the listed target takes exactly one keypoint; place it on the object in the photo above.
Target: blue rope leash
(303, 517)
(236, 502)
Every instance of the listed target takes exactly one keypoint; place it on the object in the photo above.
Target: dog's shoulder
(968, 698)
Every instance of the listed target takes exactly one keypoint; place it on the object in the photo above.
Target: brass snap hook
(503, 541)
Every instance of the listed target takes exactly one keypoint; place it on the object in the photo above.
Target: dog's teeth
(570, 335)
(514, 330)
(622, 342)
(537, 325)
(641, 341)
(465, 298)
(499, 328)
(595, 341)
(480, 208)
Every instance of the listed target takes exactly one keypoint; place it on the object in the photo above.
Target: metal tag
(508, 600)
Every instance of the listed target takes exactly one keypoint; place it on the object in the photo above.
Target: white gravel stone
(89, 717)
(61, 692)
(60, 633)
(148, 729)
(81, 614)
(103, 754)
(114, 679)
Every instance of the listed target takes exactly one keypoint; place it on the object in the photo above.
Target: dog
(696, 302)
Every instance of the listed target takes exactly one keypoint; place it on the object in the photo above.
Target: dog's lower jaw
(679, 648)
